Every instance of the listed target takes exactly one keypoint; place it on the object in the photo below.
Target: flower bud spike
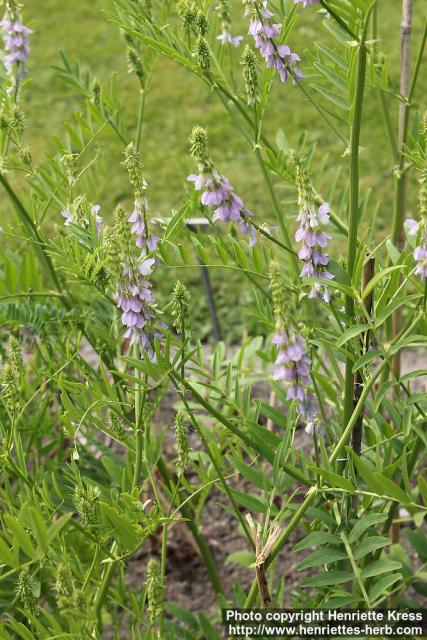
(181, 307)
(250, 74)
(181, 442)
(154, 590)
(203, 54)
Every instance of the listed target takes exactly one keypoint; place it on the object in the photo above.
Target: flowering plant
(157, 429)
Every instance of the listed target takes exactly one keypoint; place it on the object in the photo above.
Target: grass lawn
(177, 100)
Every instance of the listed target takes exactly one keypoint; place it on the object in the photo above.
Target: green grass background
(177, 100)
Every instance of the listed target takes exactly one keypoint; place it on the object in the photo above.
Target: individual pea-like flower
(224, 14)
(74, 215)
(310, 233)
(264, 31)
(227, 38)
(218, 193)
(418, 230)
(16, 44)
(306, 3)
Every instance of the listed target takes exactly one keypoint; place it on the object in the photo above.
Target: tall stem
(282, 222)
(356, 436)
(354, 215)
(401, 177)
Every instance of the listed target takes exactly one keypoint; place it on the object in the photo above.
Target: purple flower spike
(16, 45)
(313, 240)
(264, 32)
(292, 365)
(226, 205)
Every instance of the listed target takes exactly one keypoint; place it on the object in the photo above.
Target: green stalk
(31, 226)
(140, 120)
(216, 466)
(199, 539)
(281, 220)
(139, 400)
(269, 455)
(163, 576)
(354, 215)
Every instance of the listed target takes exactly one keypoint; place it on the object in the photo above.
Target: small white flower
(412, 227)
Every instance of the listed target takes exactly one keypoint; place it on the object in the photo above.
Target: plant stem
(401, 176)
(140, 120)
(199, 539)
(354, 215)
(281, 220)
(139, 400)
(356, 436)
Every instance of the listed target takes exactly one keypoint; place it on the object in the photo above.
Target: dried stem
(263, 589)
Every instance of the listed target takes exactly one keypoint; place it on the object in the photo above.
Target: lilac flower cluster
(292, 365)
(264, 31)
(218, 192)
(145, 241)
(130, 270)
(306, 3)
(219, 195)
(310, 234)
(313, 241)
(134, 297)
(414, 228)
(16, 43)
